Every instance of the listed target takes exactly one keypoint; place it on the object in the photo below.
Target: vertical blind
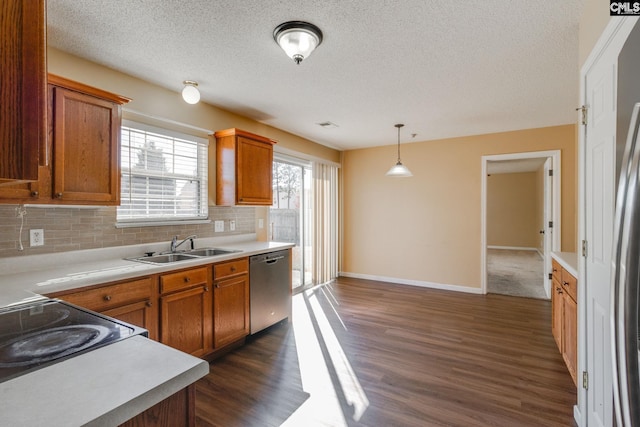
(325, 223)
(164, 176)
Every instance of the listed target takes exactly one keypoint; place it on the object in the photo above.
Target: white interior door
(548, 217)
(599, 181)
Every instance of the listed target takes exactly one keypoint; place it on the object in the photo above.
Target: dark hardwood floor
(363, 353)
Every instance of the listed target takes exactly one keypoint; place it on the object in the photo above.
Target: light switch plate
(232, 225)
(219, 226)
(36, 237)
(260, 223)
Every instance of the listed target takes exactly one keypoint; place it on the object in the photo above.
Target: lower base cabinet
(564, 323)
(178, 410)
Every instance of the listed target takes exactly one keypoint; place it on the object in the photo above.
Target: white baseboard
(420, 283)
(513, 248)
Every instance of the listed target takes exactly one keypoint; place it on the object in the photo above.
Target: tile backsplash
(70, 229)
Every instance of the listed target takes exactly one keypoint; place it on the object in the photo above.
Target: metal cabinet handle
(107, 297)
(35, 194)
(149, 304)
(187, 279)
(206, 289)
(233, 268)
(58, 195)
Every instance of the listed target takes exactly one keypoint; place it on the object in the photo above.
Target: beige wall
(595, 17)
(427, 228)
(512, 210)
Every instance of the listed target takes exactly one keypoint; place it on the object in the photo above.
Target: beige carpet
(516, 273)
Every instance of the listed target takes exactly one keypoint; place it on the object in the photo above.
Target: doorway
(545, 165)
(291, 213)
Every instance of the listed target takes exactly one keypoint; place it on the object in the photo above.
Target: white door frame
(554, 155)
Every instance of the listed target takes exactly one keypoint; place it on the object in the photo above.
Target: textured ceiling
(444, 68)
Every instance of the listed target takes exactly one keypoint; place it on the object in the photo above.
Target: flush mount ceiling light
(298, 39)
(190, 92)
(399, 170)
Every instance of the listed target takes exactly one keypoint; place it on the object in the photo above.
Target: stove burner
(49, 344)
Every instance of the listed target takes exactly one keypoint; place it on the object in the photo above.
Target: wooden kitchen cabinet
(177, 410)
(83, 149)
(132, 301)
(564, 323)
(23, 89)
(244, 168)
(186, 311)
(230, 302)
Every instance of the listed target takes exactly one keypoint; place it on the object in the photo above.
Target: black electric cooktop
(38, 334)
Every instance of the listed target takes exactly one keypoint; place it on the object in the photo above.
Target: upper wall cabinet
(244, 168)
(83, 149)
(23, 89)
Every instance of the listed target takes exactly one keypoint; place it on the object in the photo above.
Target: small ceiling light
(298, 39)
(190, 92)
(399, 170)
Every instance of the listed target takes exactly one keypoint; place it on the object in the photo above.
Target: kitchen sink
(164, 258)
(211, 252)
(183, 256)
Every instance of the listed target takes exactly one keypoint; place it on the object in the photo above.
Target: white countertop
(111, 384)
(569, 260)
(104, 387)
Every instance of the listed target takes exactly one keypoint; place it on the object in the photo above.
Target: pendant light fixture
(399, 170)
(190, 92)
(298, 39)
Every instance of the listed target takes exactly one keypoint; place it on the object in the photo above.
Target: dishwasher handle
(272, 260)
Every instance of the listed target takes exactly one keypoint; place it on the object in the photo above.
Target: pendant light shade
(399, 170)
(298, 39)
(190, 92)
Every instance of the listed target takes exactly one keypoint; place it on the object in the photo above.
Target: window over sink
(164, 176)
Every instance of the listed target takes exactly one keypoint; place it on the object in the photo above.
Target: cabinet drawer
(556, 270)
(183, 279)
(104, 297)
(230, 268)
(569, 284)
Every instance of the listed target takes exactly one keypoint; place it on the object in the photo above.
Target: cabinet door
(23, 96)
(86, 166)
(570, 335)
(142, 313)
(254, 172)
(230, 310)
(186, 320)
(557, 305)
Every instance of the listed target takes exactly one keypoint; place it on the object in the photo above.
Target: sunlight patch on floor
(313, 333)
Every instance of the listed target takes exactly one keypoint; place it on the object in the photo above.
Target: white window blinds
(164, 176)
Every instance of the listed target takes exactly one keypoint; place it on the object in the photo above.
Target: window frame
(202, 216)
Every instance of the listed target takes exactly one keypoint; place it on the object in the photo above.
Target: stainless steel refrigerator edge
(626, 241)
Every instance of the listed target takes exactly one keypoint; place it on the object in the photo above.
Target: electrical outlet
(232, 225)
(260, 223)
(36, 237)
(219, 226)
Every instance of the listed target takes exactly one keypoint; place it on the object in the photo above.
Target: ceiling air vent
(327, 125)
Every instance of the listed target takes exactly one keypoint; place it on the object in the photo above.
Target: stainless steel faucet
(175, 245)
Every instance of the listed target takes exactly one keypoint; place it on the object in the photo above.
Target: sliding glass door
(291, 213)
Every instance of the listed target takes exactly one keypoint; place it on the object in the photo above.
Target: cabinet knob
(149, 304)
(559, 290)
(233, 268)
(107, 297)
(35, 194)
(187, 279)
(217, 285)
(58, 195)
(565, 283)
(206, 289)
(555, 270)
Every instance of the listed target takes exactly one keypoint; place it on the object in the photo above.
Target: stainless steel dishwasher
(270, 289)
